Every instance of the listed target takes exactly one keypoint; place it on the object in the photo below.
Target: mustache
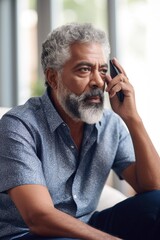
(91, 93)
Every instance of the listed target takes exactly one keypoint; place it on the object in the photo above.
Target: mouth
(94, 99)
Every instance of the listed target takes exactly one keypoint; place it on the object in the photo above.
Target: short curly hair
(56, 48)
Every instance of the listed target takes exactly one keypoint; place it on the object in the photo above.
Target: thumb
(107, 80)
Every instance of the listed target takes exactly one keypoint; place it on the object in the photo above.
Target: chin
(91, 117)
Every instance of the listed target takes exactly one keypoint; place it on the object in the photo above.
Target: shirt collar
(52, 116)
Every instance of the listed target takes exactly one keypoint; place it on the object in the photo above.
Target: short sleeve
(19, 163)
(125, 152)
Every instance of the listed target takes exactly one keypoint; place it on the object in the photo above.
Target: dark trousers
(136, 218)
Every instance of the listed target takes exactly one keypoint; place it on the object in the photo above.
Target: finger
(108, 78)
(118, 79)
(114, 90)
(124, 79)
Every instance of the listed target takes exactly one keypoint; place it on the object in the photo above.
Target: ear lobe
(51, 77)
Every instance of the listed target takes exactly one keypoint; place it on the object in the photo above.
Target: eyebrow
(89, 64)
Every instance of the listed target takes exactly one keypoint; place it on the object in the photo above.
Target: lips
(94, 99)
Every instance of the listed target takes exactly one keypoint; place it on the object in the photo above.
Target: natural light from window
(139, 50)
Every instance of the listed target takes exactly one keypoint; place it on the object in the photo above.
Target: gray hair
(56, 48)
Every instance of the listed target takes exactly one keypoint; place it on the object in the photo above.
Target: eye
(84, 69)
(103, 71)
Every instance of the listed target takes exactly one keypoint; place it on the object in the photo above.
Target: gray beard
(78, 107)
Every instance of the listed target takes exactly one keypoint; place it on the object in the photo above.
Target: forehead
(92, 52)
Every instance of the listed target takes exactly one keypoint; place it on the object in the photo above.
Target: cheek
(79, 88)
(76, 85)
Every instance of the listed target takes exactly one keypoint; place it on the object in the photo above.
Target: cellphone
(114, 72)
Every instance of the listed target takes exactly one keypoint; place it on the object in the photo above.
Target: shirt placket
(89, 139)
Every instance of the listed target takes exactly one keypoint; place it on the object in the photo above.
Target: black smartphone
(114, 72)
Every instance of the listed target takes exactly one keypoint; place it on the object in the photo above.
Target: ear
(51, 77)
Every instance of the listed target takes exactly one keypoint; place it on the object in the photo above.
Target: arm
(146, 171)
(36, 207)
(144, 175)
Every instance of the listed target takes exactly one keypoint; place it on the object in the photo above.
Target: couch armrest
(3, 110)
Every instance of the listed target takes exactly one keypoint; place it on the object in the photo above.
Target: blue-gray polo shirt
(36, 148)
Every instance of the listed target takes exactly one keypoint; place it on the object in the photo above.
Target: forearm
(59, 224)
(147, 158)
(145, 173)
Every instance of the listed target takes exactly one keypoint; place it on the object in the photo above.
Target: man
(57, 150)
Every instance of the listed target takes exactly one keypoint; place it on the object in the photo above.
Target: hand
(127, 108)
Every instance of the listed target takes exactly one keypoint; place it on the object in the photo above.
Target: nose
(96, 81)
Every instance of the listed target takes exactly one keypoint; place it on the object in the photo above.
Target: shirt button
(72, 146)
(64, 124)
(75, 196)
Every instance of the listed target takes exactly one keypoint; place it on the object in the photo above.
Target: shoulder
(36, 116)
(110, 118)
(111, 126)
(27, 112)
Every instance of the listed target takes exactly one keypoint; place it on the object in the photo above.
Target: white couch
(109, 197)
(3, 110)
